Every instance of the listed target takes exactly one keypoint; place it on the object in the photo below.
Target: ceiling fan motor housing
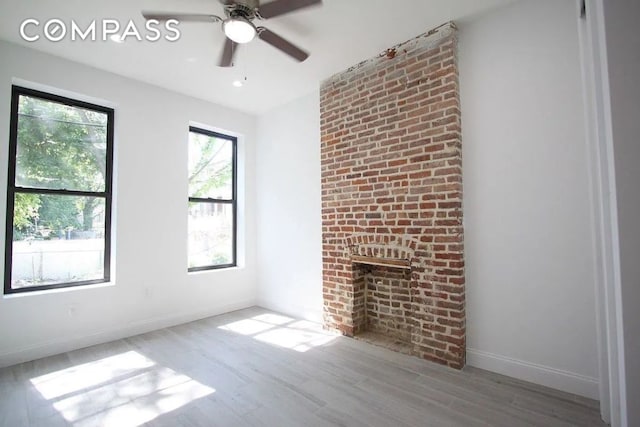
(242, 9)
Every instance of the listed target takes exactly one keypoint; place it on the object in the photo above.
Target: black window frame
(13, 189)
(233, 201)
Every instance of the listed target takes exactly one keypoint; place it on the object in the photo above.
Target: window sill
(58, 290)
(214, 270)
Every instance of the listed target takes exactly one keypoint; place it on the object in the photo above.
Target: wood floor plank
(254, 367)
(348, 403)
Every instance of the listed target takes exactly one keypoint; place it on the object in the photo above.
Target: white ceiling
(340, 33)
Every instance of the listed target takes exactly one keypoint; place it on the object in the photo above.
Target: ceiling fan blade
(230, 47)
(226, 2)
(182, 17)
(280, 7)
(279, 43)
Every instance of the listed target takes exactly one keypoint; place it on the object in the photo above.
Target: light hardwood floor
(257, 368)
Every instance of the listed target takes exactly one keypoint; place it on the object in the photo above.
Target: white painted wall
(623, 131)
(151, 287)
(528, 233)
(289, 209)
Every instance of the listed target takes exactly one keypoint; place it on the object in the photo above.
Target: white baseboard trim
(68, 344)
(532, 372)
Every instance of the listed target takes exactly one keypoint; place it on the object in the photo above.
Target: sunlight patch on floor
(246, 327)
(294, 339)
(87, 375)
(282, 331)
(274, 319)
(123, 390)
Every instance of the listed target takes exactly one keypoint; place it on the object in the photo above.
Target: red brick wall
(392, 188)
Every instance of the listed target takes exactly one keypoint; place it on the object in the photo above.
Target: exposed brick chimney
(393, 254)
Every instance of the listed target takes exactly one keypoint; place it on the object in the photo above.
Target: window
(212, 200)
(59, 192)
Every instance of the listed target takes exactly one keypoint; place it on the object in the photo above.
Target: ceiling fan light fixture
(239, 29)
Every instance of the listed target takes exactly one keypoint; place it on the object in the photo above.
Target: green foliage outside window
(59, 147)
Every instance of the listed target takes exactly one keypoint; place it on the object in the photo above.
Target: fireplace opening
(383, 313)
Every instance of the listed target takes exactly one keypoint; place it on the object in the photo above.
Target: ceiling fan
(238, 25)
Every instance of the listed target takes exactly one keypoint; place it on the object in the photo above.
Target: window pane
(210, 167)
(59, 146)
(57, 239)
(210, 234)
